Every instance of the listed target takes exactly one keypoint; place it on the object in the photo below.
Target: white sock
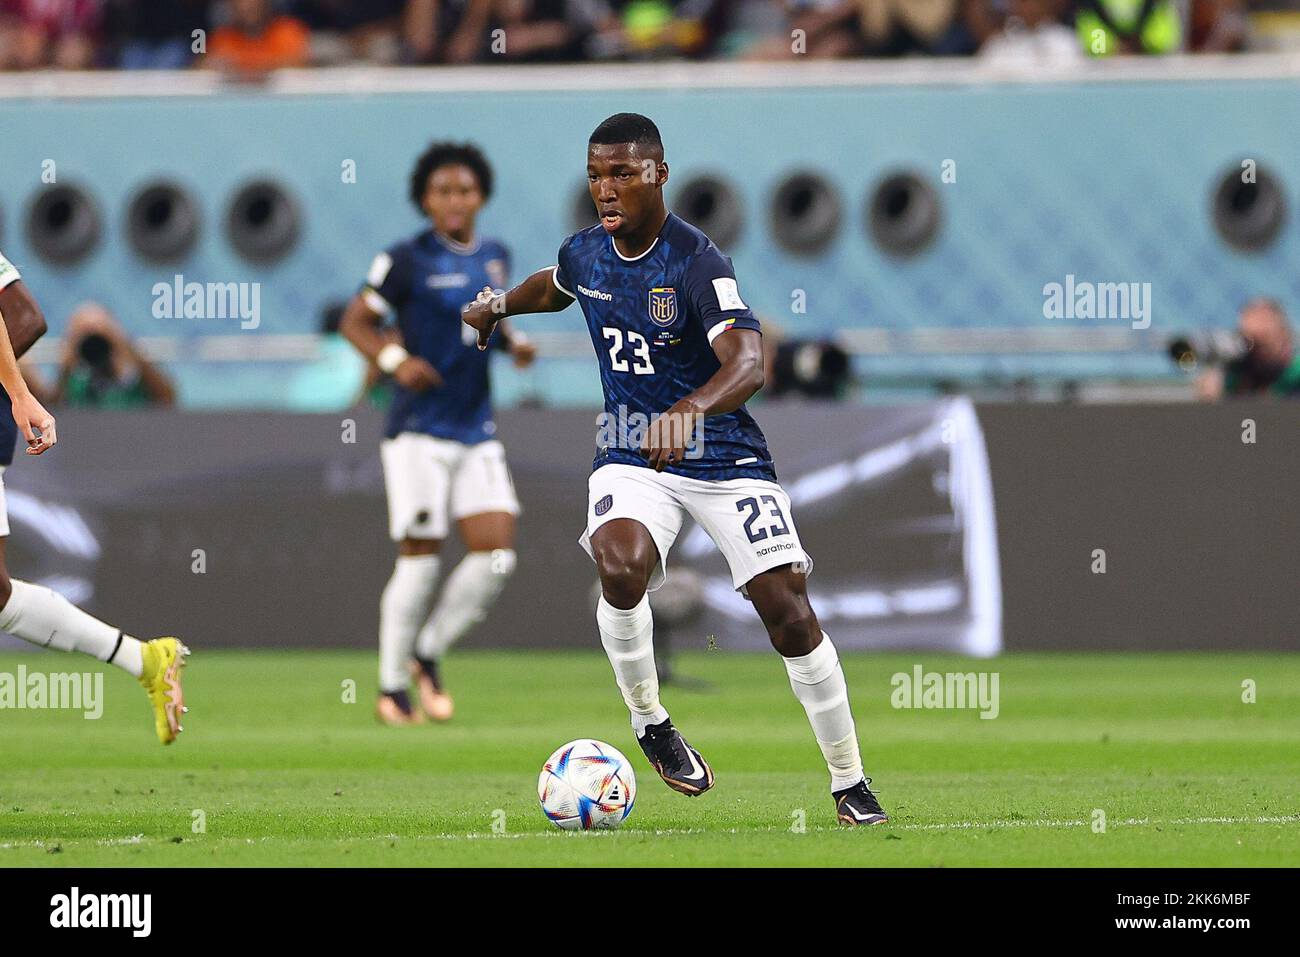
(403, 608)
(470, 590)
(628, 637)
(818, 682)
(35, 613)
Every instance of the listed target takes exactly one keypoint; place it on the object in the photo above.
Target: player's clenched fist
(35, 423)
(483, 314)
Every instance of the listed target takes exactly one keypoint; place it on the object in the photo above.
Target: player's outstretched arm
(34, 422)
(741, 353)
(537, 293)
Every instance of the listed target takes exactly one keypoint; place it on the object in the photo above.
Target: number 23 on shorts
(752, 506)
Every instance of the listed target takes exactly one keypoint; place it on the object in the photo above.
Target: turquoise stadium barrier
(1107, 181)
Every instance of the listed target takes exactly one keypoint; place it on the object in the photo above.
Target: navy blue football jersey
(422, 283)
(652, 321)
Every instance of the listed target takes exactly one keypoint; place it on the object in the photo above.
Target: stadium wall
(243, 530)
(1107, 177)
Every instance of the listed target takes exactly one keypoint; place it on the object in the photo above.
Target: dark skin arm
(537, 293)
(362, 327)
(22, 315)
(739, 350)
(741, 353)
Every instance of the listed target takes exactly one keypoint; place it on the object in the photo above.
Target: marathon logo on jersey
(75, 909)
(605, 504)
(595, 294)
(663, 306)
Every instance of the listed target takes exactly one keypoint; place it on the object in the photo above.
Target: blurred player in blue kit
(679, 348)
(440, 458)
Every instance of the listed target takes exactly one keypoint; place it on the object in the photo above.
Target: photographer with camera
(1260, 360)
(101, 368)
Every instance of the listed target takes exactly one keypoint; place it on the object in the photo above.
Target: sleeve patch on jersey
(728, 295)
(720, 328)
(379, 269)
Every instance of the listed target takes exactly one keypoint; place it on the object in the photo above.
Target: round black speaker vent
(903, 214)
(1249, 215)
(162, 222)
(712, 205)
(805, 213)
(263, 222)
(63, 224)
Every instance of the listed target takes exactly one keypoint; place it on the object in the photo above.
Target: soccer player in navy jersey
(41, 615)
(679, 353)
(441, 461)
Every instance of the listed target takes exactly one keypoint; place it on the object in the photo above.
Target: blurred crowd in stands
(252, 36)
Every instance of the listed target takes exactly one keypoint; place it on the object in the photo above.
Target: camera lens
(95, 350)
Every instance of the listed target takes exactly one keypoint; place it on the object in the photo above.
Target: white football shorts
(748, 519)
(431, 481)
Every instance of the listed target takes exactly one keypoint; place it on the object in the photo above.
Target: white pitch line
(682, 832)
(1129, 822)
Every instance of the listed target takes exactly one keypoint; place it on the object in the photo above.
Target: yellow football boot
(163, 660)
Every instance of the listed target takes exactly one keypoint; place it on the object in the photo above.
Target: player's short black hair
(628, 128)
(439, 155)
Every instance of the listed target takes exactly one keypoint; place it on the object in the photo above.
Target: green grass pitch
(284, 772)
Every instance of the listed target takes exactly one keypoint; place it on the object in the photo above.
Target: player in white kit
(36, 613)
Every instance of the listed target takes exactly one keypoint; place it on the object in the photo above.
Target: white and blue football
(586, 784)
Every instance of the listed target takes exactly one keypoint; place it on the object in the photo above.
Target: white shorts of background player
(432, 481)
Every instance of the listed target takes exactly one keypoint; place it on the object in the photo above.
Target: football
(586, 784)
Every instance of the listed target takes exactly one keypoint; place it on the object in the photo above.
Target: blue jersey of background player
(653, 320)
(441, 462)
(675, 338)
(421, 284)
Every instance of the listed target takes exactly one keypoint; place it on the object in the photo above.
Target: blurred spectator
(154, 34)
(101, 367)
(49, 33)
(343, 30)
(819, 29)
(1270, 364)
(901, 27)
(1033, 35)
(447, 31)
(877, 28)
(257, 39)
(1108, 27)
(650, 29)
(548, 30)
(464, 31)
(753, 29)
(1217, 26)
